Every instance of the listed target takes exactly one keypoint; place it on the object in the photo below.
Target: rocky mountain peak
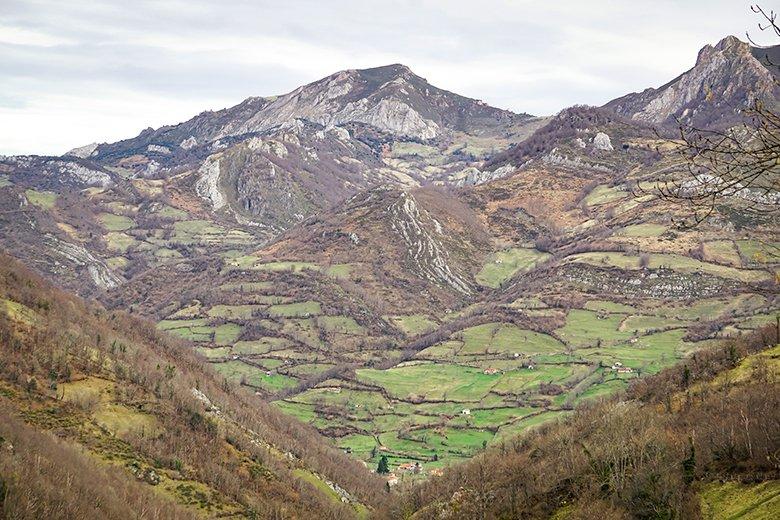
(726, 78)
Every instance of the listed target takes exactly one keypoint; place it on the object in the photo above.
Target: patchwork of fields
(294, 331)
(482, 383)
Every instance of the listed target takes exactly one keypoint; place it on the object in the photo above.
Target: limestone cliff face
(391, 99)
(727, 78)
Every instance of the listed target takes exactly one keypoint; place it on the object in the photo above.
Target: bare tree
(741, 163)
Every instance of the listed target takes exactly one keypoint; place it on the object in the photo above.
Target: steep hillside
(97, 397)
(423, 245)
(727, 78)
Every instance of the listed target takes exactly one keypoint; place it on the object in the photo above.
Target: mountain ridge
(726, 78)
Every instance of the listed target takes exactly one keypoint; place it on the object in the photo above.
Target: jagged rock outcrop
(83, 151)
(425, 249)
(727, 77)
(601, 141)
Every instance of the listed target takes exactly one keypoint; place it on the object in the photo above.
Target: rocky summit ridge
(726, 78)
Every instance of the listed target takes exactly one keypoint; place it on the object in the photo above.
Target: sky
(74, 72)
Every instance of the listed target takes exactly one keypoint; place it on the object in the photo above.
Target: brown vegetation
(236, 445)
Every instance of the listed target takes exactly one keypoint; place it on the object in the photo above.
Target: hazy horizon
(82, 72)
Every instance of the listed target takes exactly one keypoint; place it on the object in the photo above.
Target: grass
(122, 421)
(96, 396)
(412, 324)
(42, 199)
(285, 266)
(722, 252)
(405, 149)
(643, 230)
(165, 253)
(303, 412)
(515, 381)
(712, 308)
(603, 194)
(116, 241)
(759, 252)
(240, 371)
(197, 227)
(194, 334)
(650, 353)
(195, 330)
(339, 270)
(214, 353)
(227, 333)
(19, 312)
(232, 311)
(116, 222)
(585, 328)
(434, 381)
(341, 324)
(505, 338)
(260, 346)
(514, 429)
(733, 500)
(178, 324)
(676, 262)
(171, 213)
(322, 487)
(5, 181)
(295, 310)
(610, 307)
(644, 324)
(503, 265)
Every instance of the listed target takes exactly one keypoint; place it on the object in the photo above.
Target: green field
(232, 311)
(603, 194)
(722, 252)
(503, 265)
(412, 323)
(527, 364)
(643, 230)
(121, 242)
(42, 199)
(241, 372)
(676, 262)
(116, 222)
(759, 252)
(732, 500)
(300, 309)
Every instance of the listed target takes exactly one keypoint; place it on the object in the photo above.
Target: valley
(371, 270)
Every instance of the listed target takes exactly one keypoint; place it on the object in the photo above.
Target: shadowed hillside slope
(96, 397)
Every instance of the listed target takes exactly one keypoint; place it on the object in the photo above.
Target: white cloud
(80, 71)
(20, 36)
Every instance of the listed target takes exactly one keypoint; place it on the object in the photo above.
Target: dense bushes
(42, 477)
(66, 337)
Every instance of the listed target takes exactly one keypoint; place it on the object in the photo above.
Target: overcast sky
(77, 71)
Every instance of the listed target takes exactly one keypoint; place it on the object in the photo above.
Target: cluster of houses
(621, 369)
(414, 468)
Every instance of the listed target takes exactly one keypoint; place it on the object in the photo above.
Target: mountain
(727, 78)
(392, 99)
(413, 274)
(138, 426)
